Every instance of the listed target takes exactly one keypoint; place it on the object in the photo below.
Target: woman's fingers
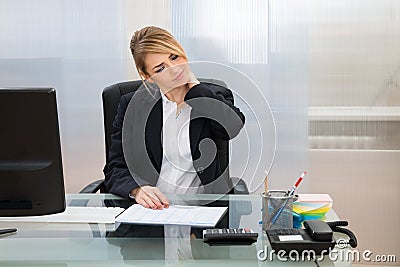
(151, 197)
(156, 202)
(161, 197)
(143, 202)
(150, 202)
(142, 198)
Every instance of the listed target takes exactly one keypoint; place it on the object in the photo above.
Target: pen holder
(277, 211)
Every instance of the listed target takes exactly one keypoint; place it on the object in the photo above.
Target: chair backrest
(111, 97)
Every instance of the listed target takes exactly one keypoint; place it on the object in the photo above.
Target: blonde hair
(152, 39)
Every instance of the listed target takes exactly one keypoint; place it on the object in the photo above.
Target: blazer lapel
(153, 133)
(195, 129)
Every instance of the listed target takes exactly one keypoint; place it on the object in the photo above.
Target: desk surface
(57, 244)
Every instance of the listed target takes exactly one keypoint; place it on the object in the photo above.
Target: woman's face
(167, 70)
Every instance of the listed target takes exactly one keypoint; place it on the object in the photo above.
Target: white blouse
(177, 173)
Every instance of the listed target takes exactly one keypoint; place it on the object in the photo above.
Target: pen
(291, 193)
(7, 231)
(294, 187)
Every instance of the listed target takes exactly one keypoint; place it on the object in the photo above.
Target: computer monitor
(31, 174)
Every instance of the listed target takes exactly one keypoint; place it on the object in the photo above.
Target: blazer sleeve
(118, 178)
(216, 103)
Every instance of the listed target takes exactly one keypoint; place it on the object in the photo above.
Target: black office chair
(111, 97)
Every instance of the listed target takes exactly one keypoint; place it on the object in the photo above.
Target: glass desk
(84, 244)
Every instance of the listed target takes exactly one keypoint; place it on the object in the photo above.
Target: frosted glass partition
(77, 47)
(259, 39)
(354, 74)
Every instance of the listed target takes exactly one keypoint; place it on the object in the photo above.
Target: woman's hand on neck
(177, 94)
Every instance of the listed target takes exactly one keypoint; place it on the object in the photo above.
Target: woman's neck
(177, 94)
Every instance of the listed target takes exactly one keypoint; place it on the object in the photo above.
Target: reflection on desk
(41, 244)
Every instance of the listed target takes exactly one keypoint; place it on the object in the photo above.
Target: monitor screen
(31, 174)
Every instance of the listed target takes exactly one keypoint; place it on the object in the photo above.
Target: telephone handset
(337, 227)
(318, 230)
(317, 236)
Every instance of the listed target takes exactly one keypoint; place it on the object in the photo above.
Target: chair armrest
(239, 186)
(94, 187)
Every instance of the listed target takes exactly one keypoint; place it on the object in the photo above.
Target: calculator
(236, 236)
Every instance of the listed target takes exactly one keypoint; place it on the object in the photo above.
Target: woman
(163, 140)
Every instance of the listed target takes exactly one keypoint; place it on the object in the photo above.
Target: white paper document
(74, 215)
(174, 215)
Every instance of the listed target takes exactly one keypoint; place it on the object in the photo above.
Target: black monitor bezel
(43, 190)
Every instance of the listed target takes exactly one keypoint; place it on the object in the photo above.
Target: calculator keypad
(230, 236)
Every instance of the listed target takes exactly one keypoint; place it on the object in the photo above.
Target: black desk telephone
(317, 236)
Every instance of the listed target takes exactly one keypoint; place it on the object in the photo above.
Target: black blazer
(136, 147)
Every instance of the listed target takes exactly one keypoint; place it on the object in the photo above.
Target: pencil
(266, 184)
